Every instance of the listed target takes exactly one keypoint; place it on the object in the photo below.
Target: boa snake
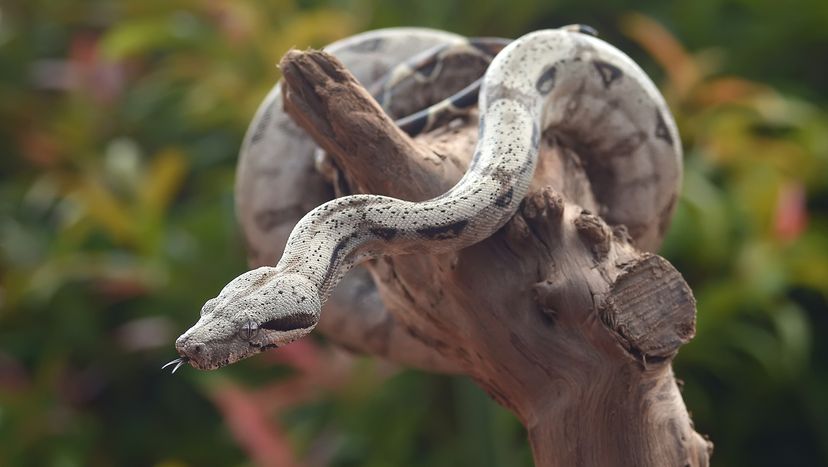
(560, 80)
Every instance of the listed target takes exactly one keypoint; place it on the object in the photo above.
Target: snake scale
(560, 80)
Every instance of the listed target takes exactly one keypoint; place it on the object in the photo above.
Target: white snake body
(577, 86)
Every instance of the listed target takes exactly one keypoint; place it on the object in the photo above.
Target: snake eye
(248, 330)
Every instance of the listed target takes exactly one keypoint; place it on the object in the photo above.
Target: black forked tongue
(290, 322)
(177, 362)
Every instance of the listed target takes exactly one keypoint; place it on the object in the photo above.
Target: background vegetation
(120, 123)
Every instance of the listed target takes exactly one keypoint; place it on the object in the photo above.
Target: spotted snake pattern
(564, 81)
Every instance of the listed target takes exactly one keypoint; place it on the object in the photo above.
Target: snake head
(257, 311)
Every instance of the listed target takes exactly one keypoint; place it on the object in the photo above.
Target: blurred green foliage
(119, 127)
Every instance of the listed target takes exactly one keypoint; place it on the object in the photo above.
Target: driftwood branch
(344, 120)
(558, 316)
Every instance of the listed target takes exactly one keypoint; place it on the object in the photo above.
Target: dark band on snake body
(504, 199)
(661, 130)
(609, 73)
(385, 233)
(444, 232)
(415, 124)
(546, 81)
(290, 322)
(428, 68)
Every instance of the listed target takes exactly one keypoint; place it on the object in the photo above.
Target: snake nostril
(180, 343)
(197, 348)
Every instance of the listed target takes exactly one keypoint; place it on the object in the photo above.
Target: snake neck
(334, 237)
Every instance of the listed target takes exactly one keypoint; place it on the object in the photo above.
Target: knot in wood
(595, 234)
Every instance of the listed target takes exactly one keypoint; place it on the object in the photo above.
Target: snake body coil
(553, 80)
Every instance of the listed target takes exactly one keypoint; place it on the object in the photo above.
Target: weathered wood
(557, 316)
(342, 117)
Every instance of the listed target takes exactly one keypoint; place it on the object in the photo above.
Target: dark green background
(120, 123)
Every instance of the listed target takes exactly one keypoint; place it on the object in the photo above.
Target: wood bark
(558, 316)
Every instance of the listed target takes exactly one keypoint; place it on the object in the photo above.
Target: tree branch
(557, 316)
(342, 117)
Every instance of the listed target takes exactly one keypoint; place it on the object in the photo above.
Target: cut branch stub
(650, 308)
